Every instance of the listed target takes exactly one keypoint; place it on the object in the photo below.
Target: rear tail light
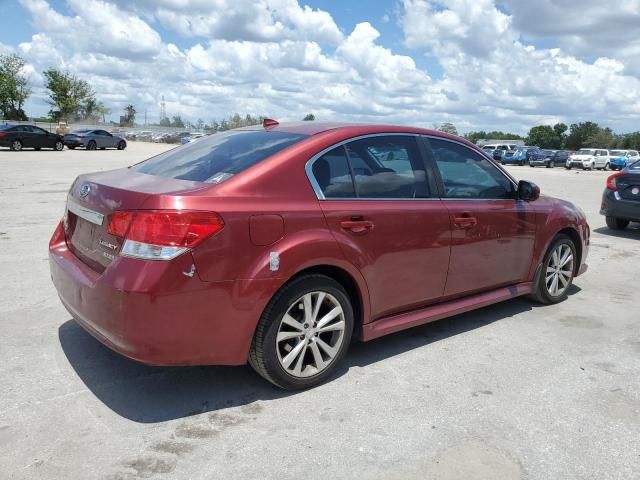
(3, 134)
(162, 234)
(611, 181)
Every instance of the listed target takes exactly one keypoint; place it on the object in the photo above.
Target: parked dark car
(621, 198)
(550, 159)
(94, 139)
(17, 137)
(275, 244)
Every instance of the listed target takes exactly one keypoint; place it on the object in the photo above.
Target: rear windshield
(218, 157)
(635, 166)
(5, 127)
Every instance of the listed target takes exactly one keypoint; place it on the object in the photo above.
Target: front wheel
(616, 223)
(122, 145)
(59, 146)
(557, 271)
(303, 333)
(91, 145)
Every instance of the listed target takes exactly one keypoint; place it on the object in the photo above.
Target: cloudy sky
(480, 64)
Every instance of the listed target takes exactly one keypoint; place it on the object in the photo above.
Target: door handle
(465, 221)
(357, 226)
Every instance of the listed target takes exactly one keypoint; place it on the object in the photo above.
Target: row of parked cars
(162, 137)
(19, 137)
(585, 158)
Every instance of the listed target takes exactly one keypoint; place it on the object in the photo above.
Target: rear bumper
(151, 312)
(538, 163)
(612, 206)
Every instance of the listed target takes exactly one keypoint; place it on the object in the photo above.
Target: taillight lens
(162, 234)
(2, 134)
(611, 181)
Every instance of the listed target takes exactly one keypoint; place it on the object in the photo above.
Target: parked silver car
(93, 139)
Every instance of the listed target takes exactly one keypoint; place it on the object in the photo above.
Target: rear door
(26, 135)
(378, 202)
(493, 234)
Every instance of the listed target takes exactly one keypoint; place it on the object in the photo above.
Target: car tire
(277, 338)
(16, 145)
(606, 167)
(548, 286)
(616, 223)
(91, 145)
(59, 146)
(122, 145)
(71, 147)
(568, 168)
(37, 149)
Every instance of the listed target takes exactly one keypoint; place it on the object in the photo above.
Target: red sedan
(278, 244)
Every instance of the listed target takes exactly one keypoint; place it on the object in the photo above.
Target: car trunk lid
(92, 200)
(628, 186)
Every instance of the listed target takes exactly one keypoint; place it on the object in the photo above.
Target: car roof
(352, 129)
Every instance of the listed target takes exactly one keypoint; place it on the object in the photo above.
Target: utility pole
(145, 117)
(163, 109)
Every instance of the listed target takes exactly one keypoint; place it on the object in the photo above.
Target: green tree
(14, 88)
(579, 133)
(448, 127)
(473, 137)
(102, 111)
(129, 115)
(177, 122)
(309, 117)
(602, 138)
(544, 136)
(67, 94)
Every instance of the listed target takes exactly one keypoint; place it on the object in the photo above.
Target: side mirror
(528, 191)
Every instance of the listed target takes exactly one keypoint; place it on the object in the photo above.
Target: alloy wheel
(16, 145)
(559, 270)
(310, 334)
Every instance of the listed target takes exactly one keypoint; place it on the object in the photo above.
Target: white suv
(589, 158)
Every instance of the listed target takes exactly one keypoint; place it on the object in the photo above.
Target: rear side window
(332, 174)
(218, 157)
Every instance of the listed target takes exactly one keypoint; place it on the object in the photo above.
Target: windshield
(81, 130)
(218, 157)
(586, 151)
(618, 153)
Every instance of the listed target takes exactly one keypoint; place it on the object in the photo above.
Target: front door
(493, 233)
(378, 204)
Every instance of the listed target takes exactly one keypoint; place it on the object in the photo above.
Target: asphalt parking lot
(512, 391)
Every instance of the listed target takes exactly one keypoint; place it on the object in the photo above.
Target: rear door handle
(357, 226)
(465, 221)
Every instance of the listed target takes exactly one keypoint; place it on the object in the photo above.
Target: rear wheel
(557, 271)
(606, 166)
(616, 223)
(91, 145)
(16, 145)
(303, 333)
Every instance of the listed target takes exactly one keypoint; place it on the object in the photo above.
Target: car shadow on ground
(148, 394)
(632, 232)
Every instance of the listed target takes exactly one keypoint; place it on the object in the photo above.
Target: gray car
(93, 139)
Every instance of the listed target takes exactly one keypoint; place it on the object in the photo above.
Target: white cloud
(283, 59)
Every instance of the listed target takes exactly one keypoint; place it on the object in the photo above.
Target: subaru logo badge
(84, 190)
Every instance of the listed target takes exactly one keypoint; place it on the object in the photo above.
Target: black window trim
(431, 182)
(434, 167)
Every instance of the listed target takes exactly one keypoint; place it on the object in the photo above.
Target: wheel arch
(577, 242)
(359, 297)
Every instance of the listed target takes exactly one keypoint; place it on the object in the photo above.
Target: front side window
(218, 157)
(388, 166)
(467, 174)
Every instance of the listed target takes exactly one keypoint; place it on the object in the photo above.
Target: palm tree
(102, 111)
(130, 114)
